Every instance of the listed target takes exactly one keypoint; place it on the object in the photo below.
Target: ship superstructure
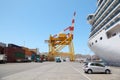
(104, 38)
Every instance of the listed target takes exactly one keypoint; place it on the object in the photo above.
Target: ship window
(101, 38)
(92, 43)
(114, 34)
(96, 41)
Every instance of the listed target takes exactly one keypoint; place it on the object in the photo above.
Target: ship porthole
(101, 38)
(96, 41)
(92, 43)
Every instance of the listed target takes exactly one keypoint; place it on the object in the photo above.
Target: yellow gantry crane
(59, 41)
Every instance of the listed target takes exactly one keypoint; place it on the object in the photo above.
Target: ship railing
(116, 20)
(99, 8)
(113, 23)
(105, 11)
(97, 17)
(103, 21)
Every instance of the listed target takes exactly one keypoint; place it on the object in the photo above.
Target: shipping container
(13, 45)
(2, 44)
(15, 54)
(27, 51)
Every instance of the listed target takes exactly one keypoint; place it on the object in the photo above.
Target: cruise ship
(104, 39)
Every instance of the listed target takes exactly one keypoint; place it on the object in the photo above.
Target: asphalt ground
(52, 71)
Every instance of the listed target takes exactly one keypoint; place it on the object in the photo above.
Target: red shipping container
(14, 54)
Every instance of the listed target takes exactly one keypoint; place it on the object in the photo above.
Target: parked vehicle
(94, 67)
(64, 60)
(38, 59)
(27, 59)
(58, 59)
(3, 57)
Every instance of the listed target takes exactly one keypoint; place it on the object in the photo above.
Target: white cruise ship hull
(105, 32)
(106, 44)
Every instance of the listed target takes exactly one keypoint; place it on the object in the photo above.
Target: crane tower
(58, 41)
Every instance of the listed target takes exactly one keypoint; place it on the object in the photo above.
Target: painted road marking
(80, 73)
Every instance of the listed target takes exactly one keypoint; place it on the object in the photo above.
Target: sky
(29, 22)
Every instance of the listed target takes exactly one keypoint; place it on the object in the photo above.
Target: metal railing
(98, 16)
(116, 20)
(107, 14)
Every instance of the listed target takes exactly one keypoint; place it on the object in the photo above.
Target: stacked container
(15, 53)
(28, 54)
